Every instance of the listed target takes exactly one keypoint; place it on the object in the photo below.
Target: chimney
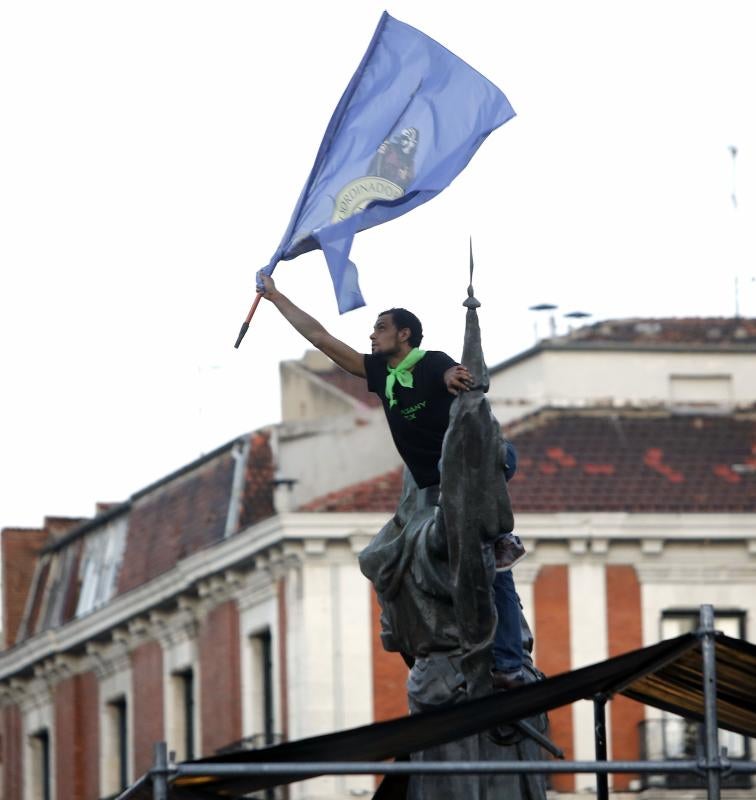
(20, 552)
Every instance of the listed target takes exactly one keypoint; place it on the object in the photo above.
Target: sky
(151, 154)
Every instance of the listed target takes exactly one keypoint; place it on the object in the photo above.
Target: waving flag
(410, 120)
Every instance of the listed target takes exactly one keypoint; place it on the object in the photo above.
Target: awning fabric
(667, 675)
(678, 685)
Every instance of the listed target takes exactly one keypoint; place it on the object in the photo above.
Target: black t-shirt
(420, 417)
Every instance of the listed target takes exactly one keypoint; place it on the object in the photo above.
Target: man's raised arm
(345, 356)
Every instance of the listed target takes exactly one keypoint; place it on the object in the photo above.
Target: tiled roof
(661, 462)
(608, 461)
(376, 494)
(165, 522)
(176, 519)
(188, 512)
(713, 331)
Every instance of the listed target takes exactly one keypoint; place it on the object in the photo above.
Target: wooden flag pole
(245, 325)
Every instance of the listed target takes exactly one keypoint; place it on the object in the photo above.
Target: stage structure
(703, 676)
(432, 568)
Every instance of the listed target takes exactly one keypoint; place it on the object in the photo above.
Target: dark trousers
(507, 646)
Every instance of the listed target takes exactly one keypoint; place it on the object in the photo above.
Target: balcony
(674, 738)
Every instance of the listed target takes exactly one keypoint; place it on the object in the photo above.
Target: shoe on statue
(507, 680)
(508, 550)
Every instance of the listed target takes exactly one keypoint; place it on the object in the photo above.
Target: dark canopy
(667, 675)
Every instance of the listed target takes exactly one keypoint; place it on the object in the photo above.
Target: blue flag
(410, 120)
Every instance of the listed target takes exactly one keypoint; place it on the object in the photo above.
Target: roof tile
(596, 460)
(722, 331)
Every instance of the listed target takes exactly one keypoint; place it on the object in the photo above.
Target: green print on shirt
(411, 411)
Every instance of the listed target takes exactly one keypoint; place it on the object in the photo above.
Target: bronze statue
(432, 566)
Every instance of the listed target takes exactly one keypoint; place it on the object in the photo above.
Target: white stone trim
(614, 526)
(37, 715)
(114, 683)
(330, 684)
(184, 576)
(287, 533)
(180, 654)
(258, 613)
(588, 645)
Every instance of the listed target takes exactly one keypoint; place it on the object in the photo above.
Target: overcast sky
(151, 154)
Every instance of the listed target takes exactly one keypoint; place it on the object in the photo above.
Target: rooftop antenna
(577, 315)
(552, 320)
(733, 195)
(734, 198)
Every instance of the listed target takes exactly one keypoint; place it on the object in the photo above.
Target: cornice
(56, 669)
(175, 627)
(257, 587)
(106, 660)
(527, 572)
(218, 589)
(32, 694)
(677, 572)
(626, 526)
(282, 539)
(287, 541)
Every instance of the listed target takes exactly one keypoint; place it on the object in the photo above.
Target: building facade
(223, 606)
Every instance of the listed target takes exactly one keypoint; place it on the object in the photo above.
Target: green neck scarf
(401, 372)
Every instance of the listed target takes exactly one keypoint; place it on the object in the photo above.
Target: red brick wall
(220, 677)
(389, 673)
(623, 617)
(147, 694)
(20, 548)
(552, 637)
(10, 753)
(65, 740)
(90, 734)
(76, 738)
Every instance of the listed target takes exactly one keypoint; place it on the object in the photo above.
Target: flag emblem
(390, 171)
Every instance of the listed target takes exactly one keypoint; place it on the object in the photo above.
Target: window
(673, 737)
(118, 745)
(183, 703)
(731, 623)
(100, 561)
(40, 759)
(262, 687)
(675, 622)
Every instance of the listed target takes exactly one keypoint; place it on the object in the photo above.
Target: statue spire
(472, 352)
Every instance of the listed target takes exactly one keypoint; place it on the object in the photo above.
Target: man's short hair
(406, 319)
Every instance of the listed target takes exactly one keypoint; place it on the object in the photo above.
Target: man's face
(386, 338)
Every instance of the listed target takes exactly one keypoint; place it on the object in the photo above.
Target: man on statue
(417, 389)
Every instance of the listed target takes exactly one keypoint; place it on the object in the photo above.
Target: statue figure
(432, 566)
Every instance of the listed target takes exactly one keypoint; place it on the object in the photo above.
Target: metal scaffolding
(713, 764)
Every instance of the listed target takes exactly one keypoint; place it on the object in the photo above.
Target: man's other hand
(458, 379)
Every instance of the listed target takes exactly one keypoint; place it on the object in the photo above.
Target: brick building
(222, 606)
